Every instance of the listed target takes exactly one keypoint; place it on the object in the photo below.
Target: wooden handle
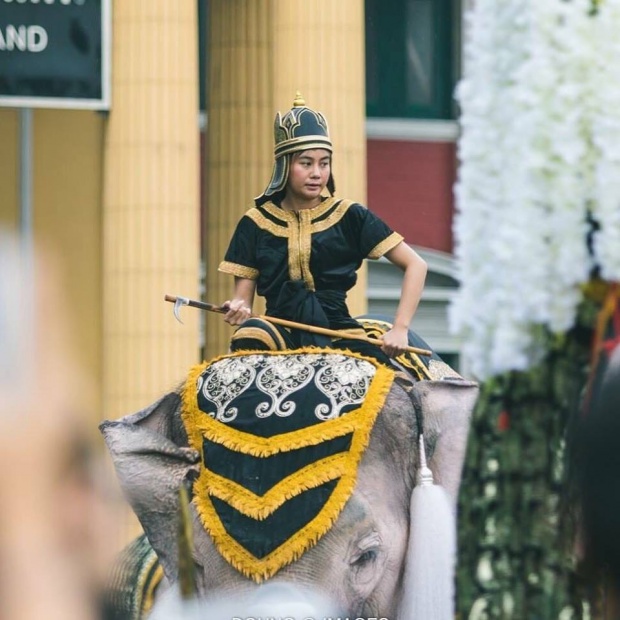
(334, 333)
(324, 331)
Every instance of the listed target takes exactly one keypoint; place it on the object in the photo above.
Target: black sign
(55, 53)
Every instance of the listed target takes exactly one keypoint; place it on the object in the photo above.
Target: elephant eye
(370, 555)
(366, 551)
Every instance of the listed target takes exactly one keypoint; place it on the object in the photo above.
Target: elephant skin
(360, 562)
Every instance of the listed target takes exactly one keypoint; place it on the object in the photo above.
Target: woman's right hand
(238, 311)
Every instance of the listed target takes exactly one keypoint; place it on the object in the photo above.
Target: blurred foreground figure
(272, 600)
(601, 475)
(595, 461)
(53, 525)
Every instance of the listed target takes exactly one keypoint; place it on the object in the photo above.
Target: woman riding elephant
(302, 463)
(301, 250)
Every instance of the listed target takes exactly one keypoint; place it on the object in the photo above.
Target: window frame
(385, 35)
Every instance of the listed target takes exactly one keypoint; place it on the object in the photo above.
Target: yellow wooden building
(132, 208)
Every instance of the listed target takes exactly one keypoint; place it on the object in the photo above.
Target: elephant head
(360, 561)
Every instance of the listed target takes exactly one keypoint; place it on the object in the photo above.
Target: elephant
(360, 561)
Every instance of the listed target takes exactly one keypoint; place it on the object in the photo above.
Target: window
(412, 58)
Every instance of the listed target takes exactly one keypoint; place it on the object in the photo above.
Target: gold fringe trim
(199, 424)
(363, 422)
(259, 507)
(195, 420)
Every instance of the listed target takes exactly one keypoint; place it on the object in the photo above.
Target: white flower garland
(606, 137)
(539, 149)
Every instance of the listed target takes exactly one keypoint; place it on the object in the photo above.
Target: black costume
(307, 258)
(304, 262)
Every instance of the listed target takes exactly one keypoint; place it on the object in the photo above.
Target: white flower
(539, 150)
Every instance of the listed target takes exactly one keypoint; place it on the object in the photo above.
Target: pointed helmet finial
(299, 101)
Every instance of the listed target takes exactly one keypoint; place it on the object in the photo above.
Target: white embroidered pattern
(280, 378)
(342, 379)
(344, 383)
(225, 380)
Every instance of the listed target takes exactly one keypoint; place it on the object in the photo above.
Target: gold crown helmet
(300, 129)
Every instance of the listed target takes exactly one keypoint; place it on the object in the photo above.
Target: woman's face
(309, 173)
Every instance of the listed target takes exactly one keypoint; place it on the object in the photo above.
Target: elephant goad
(302, 466)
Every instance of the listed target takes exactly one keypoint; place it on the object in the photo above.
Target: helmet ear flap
(331, 185)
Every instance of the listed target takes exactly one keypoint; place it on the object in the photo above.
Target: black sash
(297, 303)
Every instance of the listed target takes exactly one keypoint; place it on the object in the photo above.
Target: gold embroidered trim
(276, 335)
(276, 211)
(308, 142)
(305, 247)
(332, 218)
(289, 216)
(294, 249)
(264, 223)
(298, 227)
(386, 245)
(305, 538)
(240, 271)
(149, 593)
(377, 328)
(261, 506)
(350, 333)
(256, 333)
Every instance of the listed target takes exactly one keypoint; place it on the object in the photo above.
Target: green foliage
(515, 526)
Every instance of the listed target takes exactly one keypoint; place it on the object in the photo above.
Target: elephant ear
(150, 454)
(447, 407)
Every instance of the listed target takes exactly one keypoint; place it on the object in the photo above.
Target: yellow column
(260, 53)
(151, 202)
(66, 158)
(9, 158)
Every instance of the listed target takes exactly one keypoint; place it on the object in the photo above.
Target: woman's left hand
(395, 341)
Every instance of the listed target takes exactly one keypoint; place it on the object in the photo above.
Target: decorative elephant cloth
(135, 576)
(281, 435)
(296, 458)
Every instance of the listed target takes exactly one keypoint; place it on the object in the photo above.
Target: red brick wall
(410, 186)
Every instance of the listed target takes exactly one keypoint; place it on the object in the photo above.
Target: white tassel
(428, 586)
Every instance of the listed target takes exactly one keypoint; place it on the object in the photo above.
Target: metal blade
(180, 301)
